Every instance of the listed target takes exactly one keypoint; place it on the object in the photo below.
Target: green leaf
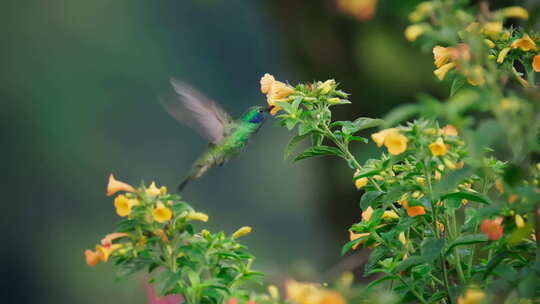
(408, 263)
(352, 243)
(431, 249)
(472, 196)
(293, 143)
(319, 151)
(380, 280)
(400, 114)
(286, 106)
(369, 198)
(450, 182)
(467, 240)
(361, 124)
(456, 85)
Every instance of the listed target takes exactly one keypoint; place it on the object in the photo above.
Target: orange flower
(116, 185)
(359, 9)
(275, 91)
(332, 297)
(536, 63)
(525, 43)
(366, 214)
(354, 236)
(266, 83)
(415, 210)
(105, 252)
(492, 228)
(107, 240)
(92, 257)
(450, 130)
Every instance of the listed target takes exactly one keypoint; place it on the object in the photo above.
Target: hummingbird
(228, 137)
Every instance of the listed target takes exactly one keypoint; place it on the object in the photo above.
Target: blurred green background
(80, 84)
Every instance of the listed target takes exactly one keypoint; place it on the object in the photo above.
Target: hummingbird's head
(256, 114)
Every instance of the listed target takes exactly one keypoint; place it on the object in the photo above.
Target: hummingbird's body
(227, 137)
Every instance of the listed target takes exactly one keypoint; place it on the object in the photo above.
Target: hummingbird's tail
(184, 183)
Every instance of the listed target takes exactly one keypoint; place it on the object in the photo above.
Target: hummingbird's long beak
(269, 108)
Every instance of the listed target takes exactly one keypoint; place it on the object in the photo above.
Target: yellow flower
(441, 72)
(412, 32)
(390, 214)
(273, 291)
(366, 214)
(303, 293)
(361, 182)
(198, 216)
(475, 76)
(449, 164)
(525, 43)
(473, 27)
(502, 55)
(115, 185)
(92, 257)
(437, 175)
(489, 43)
(396, 143)
(359, 9)
(441, 55)
(354, 236)
(241, 232)
(536, 63)
(163, 190)
(380, 136)
(161, 214)
(402, 238)
(422, 11)
(327, 86)
(105, 252)
(123, 205)
(440, 226)
(449, 130)
(266, 83)
(109, 238)
(472, 296)
(520, 223)
(152, 190)
(515, 12)
(438, 147)
(278, 92)
(492, 29)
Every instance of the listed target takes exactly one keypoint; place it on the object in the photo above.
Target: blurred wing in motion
(197, 111)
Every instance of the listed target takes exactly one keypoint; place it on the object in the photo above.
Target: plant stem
(418, 296)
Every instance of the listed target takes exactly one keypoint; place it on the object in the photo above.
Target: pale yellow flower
(366, 214)
(475, 76)
(266, 83)
(380, 136)
(412, 32)
(152, 190)
(390, 214)
(161, 214)
(438, 147)
(515, 12)
(443, 70)
(489, 43)
(472, 296)
(450, 130)
(123, 205)
(525, 43)
(115, 185)
(502, 54)
(520, 222)
(396, 143)
(449, 164)
(241, 232)
(492, 29)
(402, 238)
(421, 12)
(198, 216)
(273, 291)
(441, 55)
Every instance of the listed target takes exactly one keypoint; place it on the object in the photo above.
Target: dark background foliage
(80, 84)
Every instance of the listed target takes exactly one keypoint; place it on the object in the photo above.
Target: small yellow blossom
(502, 55)
(109, 238)
(390, 214)
(537, 166)
(438, 147)
(489, 43)
(198, 216)
(273, 291)
(366, 214)
(441, 55)
(115, 185)
(449, 164)
(449, 130)
(443, 70)
(205, 232)
(515, 12)
(412, 32)
(536, 63)
(152, 190)
(361, 182)
(520, 222)
(475, 76)
(241, 232)
(105, 252)
(402, 238)
(420, 180)
(422, 11)
(396, 143)
(417, 194)
(359, 9)
(161, 214)
(163, 190)
(440, 226)
(92, 257)
(378, 177)
(327, 86)
(492, 29)
(354, 236)
(123, 205)
(525, 43)
(472, 296)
